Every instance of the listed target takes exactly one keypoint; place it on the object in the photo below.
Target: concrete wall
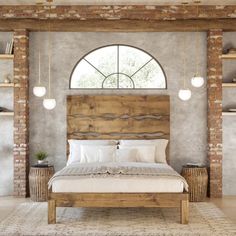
(188, 119)
(229, 122)
(6, 123)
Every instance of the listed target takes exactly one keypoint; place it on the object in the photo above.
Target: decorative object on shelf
(39, 90)
(234, 80)
(38, 180)
(9, 47)
(41, 157)
(3, 109)
(49, 103)
(7, 79)
(197, 179)
(231, 51)
(197, 81)
(185, 93)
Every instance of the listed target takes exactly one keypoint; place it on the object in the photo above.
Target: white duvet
(117, 177)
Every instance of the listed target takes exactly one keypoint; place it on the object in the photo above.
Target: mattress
(118, 185)
(68, 180)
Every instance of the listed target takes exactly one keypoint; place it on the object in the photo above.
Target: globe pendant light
(39, 90)
(197, 81)
(185, 93)
(49, 103)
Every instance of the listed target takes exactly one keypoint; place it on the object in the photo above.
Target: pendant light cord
(184, 59)
(197, 45)
(49, 53)
(39, 52)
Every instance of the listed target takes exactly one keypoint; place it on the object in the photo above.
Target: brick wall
(21, 109)
(214, 116)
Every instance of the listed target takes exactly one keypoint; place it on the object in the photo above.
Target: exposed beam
(118, 25)
(132, 12)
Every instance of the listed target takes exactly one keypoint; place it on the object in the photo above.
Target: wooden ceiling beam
(115, 12)
(118, 25)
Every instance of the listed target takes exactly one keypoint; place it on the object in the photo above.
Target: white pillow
(126, 155)
(161, 144)
(145, 153)
(91, 153)
(75, 147)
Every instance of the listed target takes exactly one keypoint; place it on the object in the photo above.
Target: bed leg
(51, 212)
(184, 211)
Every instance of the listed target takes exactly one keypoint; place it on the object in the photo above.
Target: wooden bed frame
(118, 117)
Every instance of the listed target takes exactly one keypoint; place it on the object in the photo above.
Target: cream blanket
(116, 169)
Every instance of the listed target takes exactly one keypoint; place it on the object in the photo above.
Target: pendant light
(197, 81)
(185, 93)
(49, 103)
(39, 90)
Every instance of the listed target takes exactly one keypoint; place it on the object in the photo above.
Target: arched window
(118, 67)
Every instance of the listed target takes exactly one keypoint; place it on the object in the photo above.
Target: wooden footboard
(177, 200)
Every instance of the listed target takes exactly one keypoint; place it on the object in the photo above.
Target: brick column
(214, 115)
(21, 109)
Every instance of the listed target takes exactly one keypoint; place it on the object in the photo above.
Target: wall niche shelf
(229, 85)
(7, 113)
(228, 113)
(7, 56)
(5, 85)
(229, 56)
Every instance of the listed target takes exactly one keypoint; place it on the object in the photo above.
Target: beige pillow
(161, 144)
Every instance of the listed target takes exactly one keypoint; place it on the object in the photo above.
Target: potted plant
(41, 156)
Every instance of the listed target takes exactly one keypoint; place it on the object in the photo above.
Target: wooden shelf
(229, 56)
(228, 113)
(7, 56)
(7, 113)
(5, 85)
(229, 85)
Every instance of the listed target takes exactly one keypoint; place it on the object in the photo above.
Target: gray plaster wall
(6, 123)
(188, 119)
(229, 122)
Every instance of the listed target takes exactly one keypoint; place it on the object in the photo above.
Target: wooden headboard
(118, 117)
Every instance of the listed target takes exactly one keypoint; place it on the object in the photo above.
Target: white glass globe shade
(39, 91)
(197, 81)
(49, 103)
(184, 94)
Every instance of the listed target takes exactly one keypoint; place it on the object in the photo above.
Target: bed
(124, 120)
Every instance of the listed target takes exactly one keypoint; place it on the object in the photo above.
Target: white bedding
(117, 177)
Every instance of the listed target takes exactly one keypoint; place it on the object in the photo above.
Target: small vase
(40, 162)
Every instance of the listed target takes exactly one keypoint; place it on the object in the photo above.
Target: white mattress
(121, 184)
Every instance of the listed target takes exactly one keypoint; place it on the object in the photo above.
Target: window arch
(118, 67)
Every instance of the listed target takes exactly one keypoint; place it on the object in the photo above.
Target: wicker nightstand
(197, 179)
(38, 181)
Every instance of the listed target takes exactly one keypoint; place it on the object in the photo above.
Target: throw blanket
(116, 169)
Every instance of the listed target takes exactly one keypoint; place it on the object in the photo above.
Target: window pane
(104, 59)
(125, 82)
(131, 59)
(150, 76)
(110, 82)
(85, 76)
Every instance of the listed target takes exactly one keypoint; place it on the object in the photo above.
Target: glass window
(118, 67)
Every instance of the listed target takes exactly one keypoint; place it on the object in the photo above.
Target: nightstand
(38, 181)
(197, 179)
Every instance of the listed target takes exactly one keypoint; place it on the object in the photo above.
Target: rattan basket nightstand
(197, 179)
(38, 181)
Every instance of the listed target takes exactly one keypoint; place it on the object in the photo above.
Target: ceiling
(118, 2)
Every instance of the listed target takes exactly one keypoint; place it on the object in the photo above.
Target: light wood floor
(227, 204)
